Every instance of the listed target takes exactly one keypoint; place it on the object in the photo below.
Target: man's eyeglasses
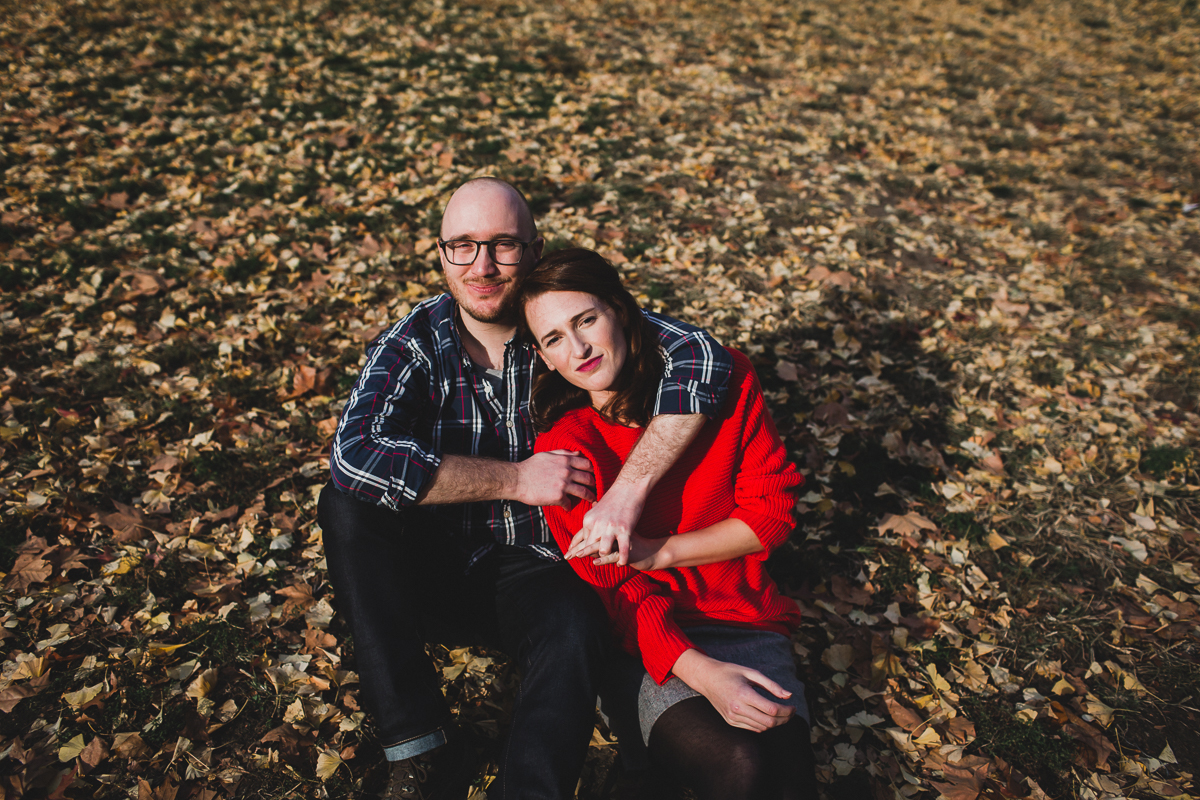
(462, 252)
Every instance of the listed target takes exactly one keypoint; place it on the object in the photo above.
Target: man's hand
(555, 478)
(611, 521)
(730, 688)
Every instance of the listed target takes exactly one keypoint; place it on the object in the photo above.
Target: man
(432, 522)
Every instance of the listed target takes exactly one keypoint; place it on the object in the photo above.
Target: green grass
(1030, 746)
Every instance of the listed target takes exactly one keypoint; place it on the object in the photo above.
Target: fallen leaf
(71, 749)
(905, 524)
(327, 764)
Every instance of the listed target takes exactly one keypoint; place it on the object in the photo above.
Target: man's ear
(538, 245)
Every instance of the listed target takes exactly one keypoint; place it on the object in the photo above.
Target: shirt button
(508, 423)
(507, 513)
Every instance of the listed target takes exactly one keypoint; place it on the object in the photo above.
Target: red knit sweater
(736, 468)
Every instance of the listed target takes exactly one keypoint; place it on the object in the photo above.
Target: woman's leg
(792, 763)
(695, 746)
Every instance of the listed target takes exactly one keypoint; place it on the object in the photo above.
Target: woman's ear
(542, 358)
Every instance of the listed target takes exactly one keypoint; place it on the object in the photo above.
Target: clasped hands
(562, 478)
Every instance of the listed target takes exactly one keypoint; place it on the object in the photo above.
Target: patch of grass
(1044, 371)
(897, 571)
(964, 525)
(1166, 462)
(239, 473)
(11, 538)
(942, 655)
(1031, 745)
(167, 725)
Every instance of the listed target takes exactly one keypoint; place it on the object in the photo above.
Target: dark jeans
(401, 583)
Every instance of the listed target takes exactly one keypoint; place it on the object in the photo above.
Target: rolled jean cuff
(415, 747)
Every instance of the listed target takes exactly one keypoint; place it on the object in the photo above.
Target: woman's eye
(587, 320)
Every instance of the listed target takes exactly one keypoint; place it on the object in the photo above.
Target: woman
(720, 707)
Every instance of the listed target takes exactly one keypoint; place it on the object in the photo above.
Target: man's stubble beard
(504, 312)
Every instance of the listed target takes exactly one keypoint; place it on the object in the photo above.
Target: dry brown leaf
(905, 717)
(95, 752)
(299, 597)
(905, 524)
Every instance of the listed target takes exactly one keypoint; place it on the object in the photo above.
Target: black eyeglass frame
(490, 244)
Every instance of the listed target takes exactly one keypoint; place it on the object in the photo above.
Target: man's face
(483, 289)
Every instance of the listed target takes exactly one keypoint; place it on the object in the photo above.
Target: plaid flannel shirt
(420, 397)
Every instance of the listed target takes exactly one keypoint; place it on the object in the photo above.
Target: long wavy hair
(576, 269)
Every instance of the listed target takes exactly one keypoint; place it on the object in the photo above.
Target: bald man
(432, 518)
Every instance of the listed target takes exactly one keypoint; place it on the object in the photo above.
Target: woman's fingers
(754, 676)
(758, 711)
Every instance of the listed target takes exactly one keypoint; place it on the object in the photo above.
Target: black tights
(692, 744)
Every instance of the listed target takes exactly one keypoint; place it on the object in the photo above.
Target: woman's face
(581, 337)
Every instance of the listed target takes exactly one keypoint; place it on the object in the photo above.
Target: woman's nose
(580, 348)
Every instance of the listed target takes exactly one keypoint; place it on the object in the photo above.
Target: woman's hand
(609, 524)
(730, 688)
(644, 554)
(722, 541)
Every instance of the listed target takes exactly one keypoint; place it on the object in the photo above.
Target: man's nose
(483, 262)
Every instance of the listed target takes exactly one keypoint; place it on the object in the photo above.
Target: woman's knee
(743, 770)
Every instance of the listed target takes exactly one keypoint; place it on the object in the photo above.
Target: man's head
(488, 210)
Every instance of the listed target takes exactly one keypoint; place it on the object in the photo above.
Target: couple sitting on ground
(656, 472)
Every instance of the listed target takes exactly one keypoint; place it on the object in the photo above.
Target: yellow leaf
(204, 683)
(71, 749)
(352, 722)
(85, 695)
(327, 763)
(120, 566)
(1102, 711)
(158, 649)
(928, 737)
(939, 682)
(158, 623)
(996, 541)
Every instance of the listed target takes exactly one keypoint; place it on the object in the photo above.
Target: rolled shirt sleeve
(696, 369)
(377, 456)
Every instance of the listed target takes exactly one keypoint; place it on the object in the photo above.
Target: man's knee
(569, 624)
(344, 518)
(577, 612)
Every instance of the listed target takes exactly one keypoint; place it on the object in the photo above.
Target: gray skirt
(768, 652)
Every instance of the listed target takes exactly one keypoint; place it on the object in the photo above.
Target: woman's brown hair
(576, 269)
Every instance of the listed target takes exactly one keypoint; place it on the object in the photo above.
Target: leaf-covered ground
(960, 240)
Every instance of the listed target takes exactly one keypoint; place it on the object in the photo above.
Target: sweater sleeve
(643, 614)
(766, 482)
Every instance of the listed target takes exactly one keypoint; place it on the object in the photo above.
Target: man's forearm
(613, 519)
(470, 479)
(660, 446)
(559, 477)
